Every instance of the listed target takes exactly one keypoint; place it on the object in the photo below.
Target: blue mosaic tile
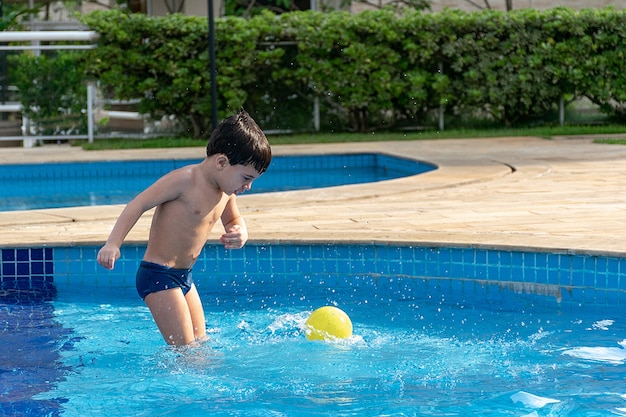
(577, 277)
(589, 278)
(612, 298)
(612, 280)
(553, 261)
(582, 275)
(480, 272)
(493, 273)
(8, 270)
(26, 274)
(506, 257)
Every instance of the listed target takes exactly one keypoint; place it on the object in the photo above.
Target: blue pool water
(437, 331)
(33, 186)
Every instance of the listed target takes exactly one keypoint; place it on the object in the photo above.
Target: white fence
(35, 38)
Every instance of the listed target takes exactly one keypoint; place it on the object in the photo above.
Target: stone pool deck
(564, 194)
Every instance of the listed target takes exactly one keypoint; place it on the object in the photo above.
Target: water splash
(612, 355)
(532, 400)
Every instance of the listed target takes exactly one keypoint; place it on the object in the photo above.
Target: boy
(189, 201)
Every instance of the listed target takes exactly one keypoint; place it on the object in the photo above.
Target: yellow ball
(327, 323)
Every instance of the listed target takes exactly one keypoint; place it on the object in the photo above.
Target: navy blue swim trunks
(153, 277)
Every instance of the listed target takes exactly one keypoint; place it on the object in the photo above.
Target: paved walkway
(519, 193)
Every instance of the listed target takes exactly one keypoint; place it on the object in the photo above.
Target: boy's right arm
(110, 252)
(167, 188)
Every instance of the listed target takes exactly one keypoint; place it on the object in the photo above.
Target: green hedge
(52, 91)
(369, 70)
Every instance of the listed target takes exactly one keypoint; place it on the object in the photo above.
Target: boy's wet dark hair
(242, 141)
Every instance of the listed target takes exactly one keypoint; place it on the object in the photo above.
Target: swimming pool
(71, 184)
(438, 331)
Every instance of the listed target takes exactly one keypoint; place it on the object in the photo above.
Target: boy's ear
(221, 161)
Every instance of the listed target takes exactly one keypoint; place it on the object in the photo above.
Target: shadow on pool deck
(516, 193)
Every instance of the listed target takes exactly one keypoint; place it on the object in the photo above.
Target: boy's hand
(108, 255)
(235, 237)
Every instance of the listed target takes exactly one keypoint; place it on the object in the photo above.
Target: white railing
(35, 37)
(49, 36)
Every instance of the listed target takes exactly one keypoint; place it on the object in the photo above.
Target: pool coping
(523, 193)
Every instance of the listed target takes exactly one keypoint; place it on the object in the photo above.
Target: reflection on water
(31, 340)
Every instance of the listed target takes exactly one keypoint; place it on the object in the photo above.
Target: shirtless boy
(189, 201)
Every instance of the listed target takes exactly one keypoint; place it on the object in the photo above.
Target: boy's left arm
(236, 232)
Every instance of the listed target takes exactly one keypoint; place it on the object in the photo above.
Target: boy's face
(238, 178)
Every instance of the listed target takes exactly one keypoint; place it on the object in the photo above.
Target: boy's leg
(172, 316)
(197, 313)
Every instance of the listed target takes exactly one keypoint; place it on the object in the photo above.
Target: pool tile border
(568, 278)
